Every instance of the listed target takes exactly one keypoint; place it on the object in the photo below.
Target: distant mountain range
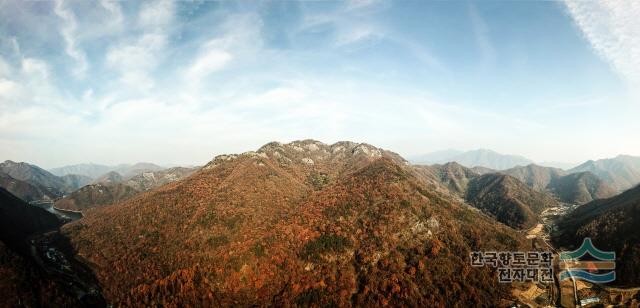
(90, 170)
(499, 195)
(621, 172)
(25, 191)
(36, 176)
(575, 188)
(112, 188)
(476, 158)
(31, 183)
(95, 170)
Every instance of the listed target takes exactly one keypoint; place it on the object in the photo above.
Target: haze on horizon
(180, 82)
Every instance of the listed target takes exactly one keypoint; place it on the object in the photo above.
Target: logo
(517, 266)
(575, 266)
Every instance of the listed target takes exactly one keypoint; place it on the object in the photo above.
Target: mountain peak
(309, 152)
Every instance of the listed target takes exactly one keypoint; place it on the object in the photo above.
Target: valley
(299, 217)
(55, 256)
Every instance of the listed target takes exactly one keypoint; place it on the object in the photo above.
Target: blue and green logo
(575, 266)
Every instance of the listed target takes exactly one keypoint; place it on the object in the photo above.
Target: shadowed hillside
(613, 225)
(23, 190)
(34, 175)
(22, 282)
(19, 220)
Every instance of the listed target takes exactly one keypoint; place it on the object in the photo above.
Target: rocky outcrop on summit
(152, 179)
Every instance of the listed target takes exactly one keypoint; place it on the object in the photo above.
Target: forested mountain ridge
(302, 223)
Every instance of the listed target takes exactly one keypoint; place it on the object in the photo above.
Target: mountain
(297, 224)
(90, 170)
(612, 224)
(36, 176)
(536, 177)
(95, 171)
(110, 177)
(112, 188)
(152, 179)
(75, 181)
(23, 190)
(475, 158)
(577, 188)
(508, 200)
(580, 188)
(621, 172)
(96, 195)
(132, 170)
(502, 196)
(452, 175)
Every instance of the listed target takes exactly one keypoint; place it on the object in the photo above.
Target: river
(65, 215)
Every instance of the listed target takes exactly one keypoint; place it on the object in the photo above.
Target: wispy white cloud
(116, 17)
(481, 33)
(613, 30)
(352, 22)
(135, 60)
(156, 14)
(209, 61)
(68, 32)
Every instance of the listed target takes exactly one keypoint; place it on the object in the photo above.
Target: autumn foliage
(301, 224)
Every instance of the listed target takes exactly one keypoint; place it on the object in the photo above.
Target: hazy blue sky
(179, 82)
